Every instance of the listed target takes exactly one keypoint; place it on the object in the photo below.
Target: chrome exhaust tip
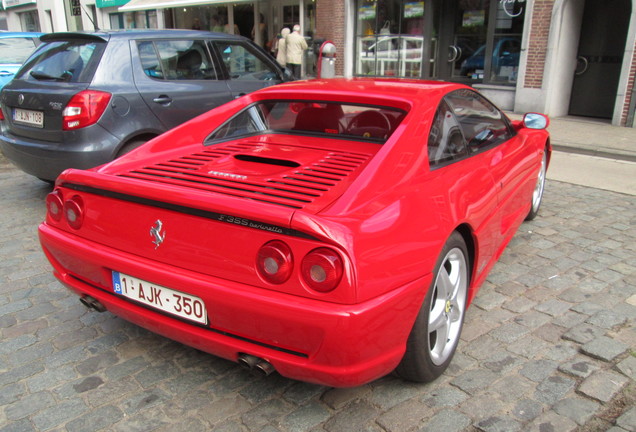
(248, 361)
(92, 303)
(257, 365)
(264, 368)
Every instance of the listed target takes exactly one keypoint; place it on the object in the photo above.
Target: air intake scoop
(275, 173)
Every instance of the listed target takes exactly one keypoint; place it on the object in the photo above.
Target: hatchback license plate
(31, 118)
(159, 297)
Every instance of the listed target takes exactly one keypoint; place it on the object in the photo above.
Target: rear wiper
(42, 76)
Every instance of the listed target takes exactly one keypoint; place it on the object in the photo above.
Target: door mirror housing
(535, 121)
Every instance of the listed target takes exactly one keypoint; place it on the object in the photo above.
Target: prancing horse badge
(156, 233)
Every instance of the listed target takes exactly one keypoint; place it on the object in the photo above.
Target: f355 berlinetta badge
(156, 233)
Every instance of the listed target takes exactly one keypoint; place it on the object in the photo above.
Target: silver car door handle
(5, 73)
(163, 100)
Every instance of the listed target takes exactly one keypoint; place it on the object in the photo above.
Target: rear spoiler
(64, 36)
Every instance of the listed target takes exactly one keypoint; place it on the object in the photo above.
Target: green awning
(137, 5)
(14, 3)
(110, 3)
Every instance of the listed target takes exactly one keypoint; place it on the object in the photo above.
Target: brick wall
(330, 23)
(538, 42)
(630, 89)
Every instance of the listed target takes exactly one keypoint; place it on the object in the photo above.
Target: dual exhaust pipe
(258, 365)
(92, 303)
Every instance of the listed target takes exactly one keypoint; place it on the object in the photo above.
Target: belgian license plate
(159, 297)
(29, 117)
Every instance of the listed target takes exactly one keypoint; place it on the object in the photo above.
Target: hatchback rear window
(66, 61)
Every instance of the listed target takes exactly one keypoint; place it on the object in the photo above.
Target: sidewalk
(591, 137)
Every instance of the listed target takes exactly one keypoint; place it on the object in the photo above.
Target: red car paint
(379, 206)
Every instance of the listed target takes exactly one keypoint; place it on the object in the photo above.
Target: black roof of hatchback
(135, 34)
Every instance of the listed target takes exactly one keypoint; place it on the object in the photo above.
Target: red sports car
(333, 231)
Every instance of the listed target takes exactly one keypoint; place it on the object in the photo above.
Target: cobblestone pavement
(548, 344)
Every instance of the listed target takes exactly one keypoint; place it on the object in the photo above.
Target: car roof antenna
(90, 18)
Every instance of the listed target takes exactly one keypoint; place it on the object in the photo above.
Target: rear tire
(435, 334)
(50, 182)
(130, 146)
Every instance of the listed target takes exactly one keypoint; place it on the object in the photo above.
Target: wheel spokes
(538, 189)
(447, 306)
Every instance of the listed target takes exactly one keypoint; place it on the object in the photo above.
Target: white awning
(138, 5)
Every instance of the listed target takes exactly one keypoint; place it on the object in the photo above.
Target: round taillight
(322, 269)
(55, 205)
(74, 212)
(274, 262)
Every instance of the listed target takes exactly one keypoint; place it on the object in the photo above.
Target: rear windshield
(15, 50)
(330, 119)
(67, 61)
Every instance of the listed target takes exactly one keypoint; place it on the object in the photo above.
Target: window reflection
(390, 38)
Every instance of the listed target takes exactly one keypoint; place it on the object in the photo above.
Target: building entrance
(470, 41)
(599, 58)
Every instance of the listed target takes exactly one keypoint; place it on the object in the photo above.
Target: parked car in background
(505, 60)
(83, 99)
(331, 230)
(15, 47)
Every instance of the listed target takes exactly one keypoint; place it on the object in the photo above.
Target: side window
(482, 124)
(177, 60)
(445, 142)
(149, 59)
(242, 63)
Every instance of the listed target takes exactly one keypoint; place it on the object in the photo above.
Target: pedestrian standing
(296, 45)
(281, 47)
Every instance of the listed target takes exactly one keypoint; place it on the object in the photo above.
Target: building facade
(561, 57)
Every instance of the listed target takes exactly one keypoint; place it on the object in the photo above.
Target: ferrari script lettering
(228, 175)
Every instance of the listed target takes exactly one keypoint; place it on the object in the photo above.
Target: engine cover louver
(277, 174)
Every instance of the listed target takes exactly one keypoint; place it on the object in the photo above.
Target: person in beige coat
(281, 48)
(296, 45)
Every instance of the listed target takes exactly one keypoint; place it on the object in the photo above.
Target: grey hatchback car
(83, 99)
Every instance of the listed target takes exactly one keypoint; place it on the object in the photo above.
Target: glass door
(463, 41)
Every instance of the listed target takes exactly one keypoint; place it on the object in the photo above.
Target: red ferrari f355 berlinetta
(331, 230)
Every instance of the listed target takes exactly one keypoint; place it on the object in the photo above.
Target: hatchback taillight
(275, 262)
(84, 109)
(322, 269)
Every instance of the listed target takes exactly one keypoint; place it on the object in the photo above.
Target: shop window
(506, 43)
(134, 20)
(469, 41)
(30, 21)
(116, 20)
(390, 38)
(212, 18)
